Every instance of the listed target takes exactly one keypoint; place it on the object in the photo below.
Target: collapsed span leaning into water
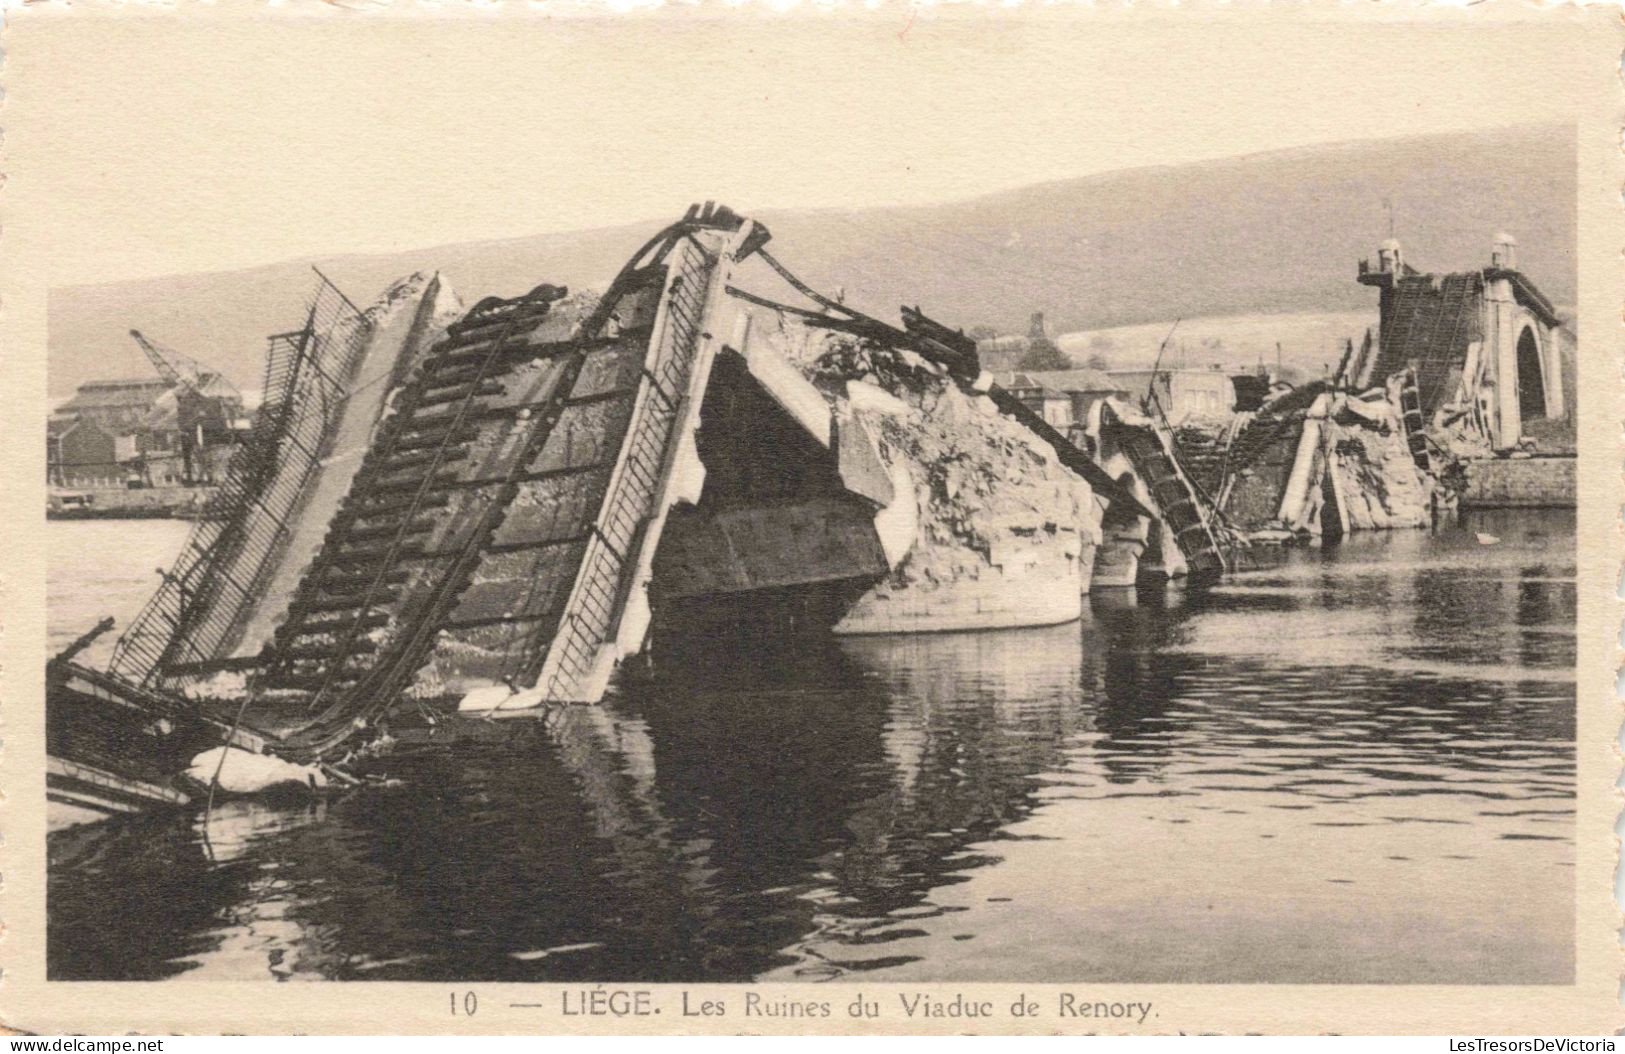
(493, 511)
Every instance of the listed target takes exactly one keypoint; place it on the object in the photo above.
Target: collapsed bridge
(494, 507)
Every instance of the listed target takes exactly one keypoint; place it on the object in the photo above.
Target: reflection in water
(1353, 765)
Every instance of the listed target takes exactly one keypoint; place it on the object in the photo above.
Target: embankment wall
(113, 503)
(1532, 483)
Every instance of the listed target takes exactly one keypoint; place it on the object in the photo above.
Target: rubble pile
(1318, 450)
(1461, 435)
(1376, 479)
(1378, 485)
(994, 503)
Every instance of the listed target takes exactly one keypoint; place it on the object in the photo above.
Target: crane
(195, 418)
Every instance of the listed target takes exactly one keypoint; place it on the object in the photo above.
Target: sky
(187, 144)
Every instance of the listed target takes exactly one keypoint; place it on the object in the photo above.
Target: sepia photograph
(628, 509)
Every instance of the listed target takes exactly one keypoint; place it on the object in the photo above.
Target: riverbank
(121, 503)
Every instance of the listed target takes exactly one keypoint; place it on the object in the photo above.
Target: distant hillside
(1263, 234)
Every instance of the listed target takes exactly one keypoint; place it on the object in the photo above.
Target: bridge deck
(492, 533)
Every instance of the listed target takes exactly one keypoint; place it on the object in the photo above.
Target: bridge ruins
(492, 510)
(1462, 397)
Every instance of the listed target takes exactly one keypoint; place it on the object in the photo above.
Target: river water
(1354, 766)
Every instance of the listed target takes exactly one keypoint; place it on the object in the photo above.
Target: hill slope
(1261, 234)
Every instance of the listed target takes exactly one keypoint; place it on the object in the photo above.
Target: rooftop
(120, 392)
(124, 383)
(1216, 370)
(1059, 382)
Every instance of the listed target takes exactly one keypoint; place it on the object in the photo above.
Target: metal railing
(196, 610)
(596, 599)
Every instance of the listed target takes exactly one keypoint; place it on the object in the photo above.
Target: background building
(143, 432)
(118, 406)
(1181, 393)
(1062, 397)
(80, 452)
